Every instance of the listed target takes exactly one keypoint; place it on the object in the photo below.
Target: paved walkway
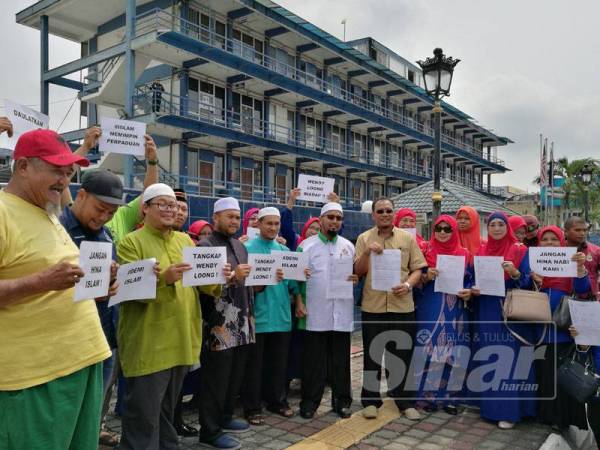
(389, 431)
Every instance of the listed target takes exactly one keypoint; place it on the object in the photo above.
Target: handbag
(577, 379)
(529, 306)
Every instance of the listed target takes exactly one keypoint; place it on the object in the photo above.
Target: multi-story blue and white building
(243, 95)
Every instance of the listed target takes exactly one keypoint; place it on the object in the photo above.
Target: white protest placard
(339, 271)
(122, 136)
(451, 274)
(553, 261)
(315, 189)
(489, 275)
(586, 317)
(263, 269)
(385, 269)
(412, 231)
(23, 119)
(95, 259)
(293, 264)
(137, 281)
(252, 232)
(207, 265)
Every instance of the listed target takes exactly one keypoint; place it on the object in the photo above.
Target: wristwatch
(408, 286)
(152, 162)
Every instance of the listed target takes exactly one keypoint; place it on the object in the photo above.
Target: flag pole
(551, 181)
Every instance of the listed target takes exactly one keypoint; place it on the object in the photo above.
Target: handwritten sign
(122, 136)
(315, 189)
(207, 265)
(553, 261)
(263, 268)
(23, 119)
(137, 281)
(489, 275)
(95, 259)
(293, 265)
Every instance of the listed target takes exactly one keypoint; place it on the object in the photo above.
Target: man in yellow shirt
(52, 348)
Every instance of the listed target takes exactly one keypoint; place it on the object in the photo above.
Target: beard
(53, 210)
(331, 233)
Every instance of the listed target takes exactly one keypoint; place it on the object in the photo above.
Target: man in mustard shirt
(159, 338)
(52, 348)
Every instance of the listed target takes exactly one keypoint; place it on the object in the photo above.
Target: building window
(219, 168)
(234, 171)
(192, 167)
(258, 174)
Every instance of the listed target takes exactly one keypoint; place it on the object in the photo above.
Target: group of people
(225, 342)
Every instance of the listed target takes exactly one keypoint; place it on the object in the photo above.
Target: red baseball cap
(49, 146)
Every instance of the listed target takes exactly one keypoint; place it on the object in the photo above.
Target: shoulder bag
(528, 306)
(578, 379)
(562, 314)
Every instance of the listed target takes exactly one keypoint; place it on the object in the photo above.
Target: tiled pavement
(434, 432)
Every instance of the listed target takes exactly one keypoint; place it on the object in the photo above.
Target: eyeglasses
(531, 228)
(384, 211)
(439, 229)
(334, 217)
(166, 207)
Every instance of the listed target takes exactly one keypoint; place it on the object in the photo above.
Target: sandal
(108, 439)
(284, 411)
(256, 419)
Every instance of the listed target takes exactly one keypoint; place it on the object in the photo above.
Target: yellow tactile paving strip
(347, 432)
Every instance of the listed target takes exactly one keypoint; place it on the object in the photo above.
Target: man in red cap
(52, 347)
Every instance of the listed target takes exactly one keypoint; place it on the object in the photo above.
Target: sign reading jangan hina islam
(95, 259)
(263, 269)
(315, 189)
(207, 265)
(122, 136)
(137, 281)
(293, 265)
(23, 119)
(553, 261)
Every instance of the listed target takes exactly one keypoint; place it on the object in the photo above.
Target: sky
(527, 67)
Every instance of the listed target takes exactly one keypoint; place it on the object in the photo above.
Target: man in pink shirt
(576, 233)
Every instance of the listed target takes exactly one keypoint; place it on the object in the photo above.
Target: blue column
(183, 161)
(228, 185)
(129, 81)
(228, 105)
(267, 195)
(348, 141)
(266, 106)
(347, 189)
(297, 118)
(45, 86)
(91, 107)
(184, 84)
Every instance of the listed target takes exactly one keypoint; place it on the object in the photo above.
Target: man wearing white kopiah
(329, 314)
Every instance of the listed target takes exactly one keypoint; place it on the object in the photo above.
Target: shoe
(222, 442)
(505, 425)
(305, 414)
(370, 412)
(429, 408)
(185, 430)
(344, 413)
(236, 426)
(412, 414)
(451, 409)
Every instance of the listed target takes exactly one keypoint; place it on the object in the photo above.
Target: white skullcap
(156, 190)
(367, 206)
(268, 211)
(226, 203)
(332, 206)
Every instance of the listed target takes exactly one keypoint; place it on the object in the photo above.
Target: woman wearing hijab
(406, 218)
(250, 220)
(533, 225)
(505, 400)
(468, 229)
(518, 227)
(200, 229)
(441, 319)
(563, 410)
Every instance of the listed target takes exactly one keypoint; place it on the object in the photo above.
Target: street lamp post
(586, 178)
(437, 74)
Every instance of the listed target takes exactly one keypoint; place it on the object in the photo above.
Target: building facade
(243, 95)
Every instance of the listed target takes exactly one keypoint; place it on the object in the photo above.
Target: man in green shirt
(159, 339)
(273, 319)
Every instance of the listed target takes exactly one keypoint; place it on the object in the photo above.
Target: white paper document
(293, 265)
(339, 271)
(23, 119)
(137, 281)
(412, 231)
(315, 189)
(95, 259)
(586, 317)
(252, 232)
(207, 265)
(489, 275)
(385, 269)
(263, 269)
(451, 274)
(122, 136)
(553, 261)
